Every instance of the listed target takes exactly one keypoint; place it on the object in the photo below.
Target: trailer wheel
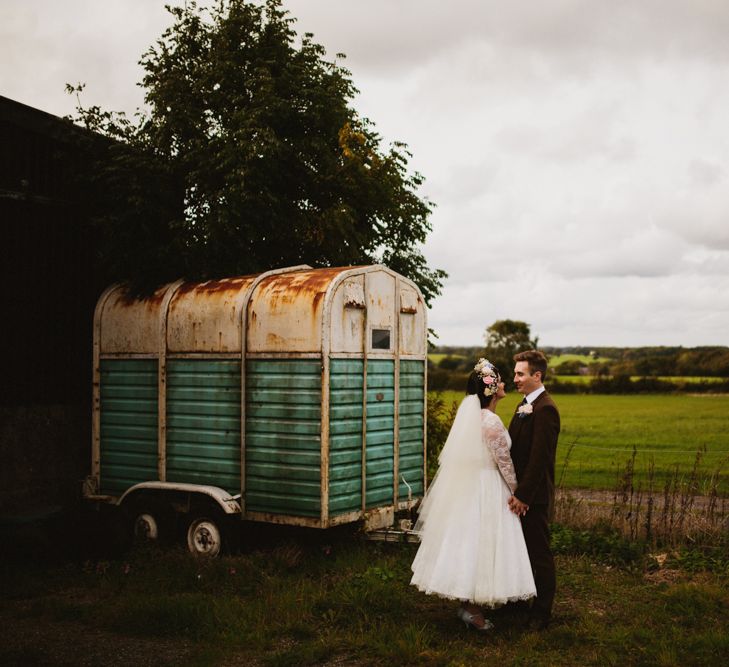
(145, 527)
(151, 520)
(205, 536)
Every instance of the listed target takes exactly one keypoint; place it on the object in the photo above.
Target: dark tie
(523, 401)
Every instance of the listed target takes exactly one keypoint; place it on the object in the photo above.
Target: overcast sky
(577, 150)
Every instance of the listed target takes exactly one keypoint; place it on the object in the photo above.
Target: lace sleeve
(496, 438)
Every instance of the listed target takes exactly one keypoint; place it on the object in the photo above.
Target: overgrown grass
(600, 433)
(306, 602)
(654, 498)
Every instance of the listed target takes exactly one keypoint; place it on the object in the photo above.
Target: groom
(534, 430)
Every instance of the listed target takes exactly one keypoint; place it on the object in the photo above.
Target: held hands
(519, 508)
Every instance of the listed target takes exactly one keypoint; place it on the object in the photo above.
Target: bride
(471, 544)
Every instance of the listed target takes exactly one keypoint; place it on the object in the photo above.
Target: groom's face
(525, 382)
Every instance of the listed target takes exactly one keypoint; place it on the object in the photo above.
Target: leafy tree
(504, 338)
(450, 363)
(573, 367)
(250, 157)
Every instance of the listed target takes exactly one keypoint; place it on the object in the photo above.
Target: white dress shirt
(531, 397)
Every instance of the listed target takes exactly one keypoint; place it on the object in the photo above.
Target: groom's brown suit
(533, 449)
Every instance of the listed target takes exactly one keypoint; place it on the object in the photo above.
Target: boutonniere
(524, 410)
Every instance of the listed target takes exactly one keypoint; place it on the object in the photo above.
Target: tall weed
(686, 511)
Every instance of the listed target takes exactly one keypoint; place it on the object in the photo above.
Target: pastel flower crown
(487, 372)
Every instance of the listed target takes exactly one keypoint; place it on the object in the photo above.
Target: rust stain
(292, 304)
(220, 286)
(288, 288)
(125, 300)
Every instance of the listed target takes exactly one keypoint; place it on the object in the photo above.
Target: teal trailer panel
(283, 436)
(203, 422)
(128, 421)
(379, 460)
(345, 435)
(411, 427)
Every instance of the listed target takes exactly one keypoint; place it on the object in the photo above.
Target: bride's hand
(519, 508)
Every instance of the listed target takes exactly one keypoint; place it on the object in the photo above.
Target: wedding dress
(471, 544)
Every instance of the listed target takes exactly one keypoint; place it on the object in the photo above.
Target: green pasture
(676, 379)
(586, 359)
(600, 431)
(437, 357)
(576, 379)
(688, 379)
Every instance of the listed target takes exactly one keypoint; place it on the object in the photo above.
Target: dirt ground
(26, 641)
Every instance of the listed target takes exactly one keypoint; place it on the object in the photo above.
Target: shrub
(439, 420)
(601, 541)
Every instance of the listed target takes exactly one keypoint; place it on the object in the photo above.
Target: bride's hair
(476, 386)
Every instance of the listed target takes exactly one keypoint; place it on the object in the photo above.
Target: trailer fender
(227, 503)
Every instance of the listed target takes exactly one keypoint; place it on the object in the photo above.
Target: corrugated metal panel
(283, 436)
(203, 422)
(411, 424)
(128, 423)
(345, 435)
(380, 432)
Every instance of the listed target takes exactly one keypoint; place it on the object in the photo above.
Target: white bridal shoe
(470, 620)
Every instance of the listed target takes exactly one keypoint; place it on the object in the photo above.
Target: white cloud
(576, 149)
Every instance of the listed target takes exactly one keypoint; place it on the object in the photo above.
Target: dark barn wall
(48, 292)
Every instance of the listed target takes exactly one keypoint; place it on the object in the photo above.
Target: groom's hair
(536, 360)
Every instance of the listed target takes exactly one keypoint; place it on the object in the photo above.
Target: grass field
(600, 432)
(578, 379)
(557, 359)
(343, 602)
(436, 357)
(585, 379)
(293, 597)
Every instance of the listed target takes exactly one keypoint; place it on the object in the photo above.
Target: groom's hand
(519, 508)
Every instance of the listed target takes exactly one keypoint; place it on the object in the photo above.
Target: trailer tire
(145, 527)
(151, 520)
(205, 535)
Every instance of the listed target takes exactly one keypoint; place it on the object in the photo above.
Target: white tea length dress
(471, 544)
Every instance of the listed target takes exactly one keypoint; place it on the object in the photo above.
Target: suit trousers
(535, 525)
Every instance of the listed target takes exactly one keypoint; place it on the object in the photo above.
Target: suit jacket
(533, 451)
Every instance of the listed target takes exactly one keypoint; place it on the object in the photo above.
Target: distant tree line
(625, 384)
(611, 369)
(503, 339)
(709, 361)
